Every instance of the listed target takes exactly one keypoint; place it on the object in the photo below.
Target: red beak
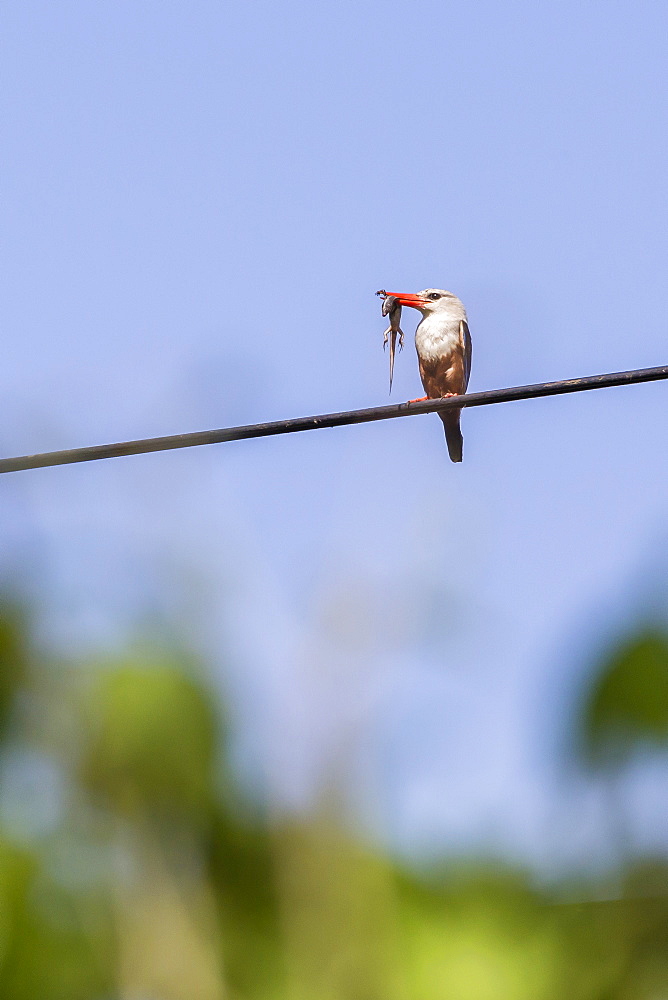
(407, 299)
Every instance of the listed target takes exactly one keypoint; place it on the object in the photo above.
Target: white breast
(437, 336)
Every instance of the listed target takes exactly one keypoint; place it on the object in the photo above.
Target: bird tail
(453, 434)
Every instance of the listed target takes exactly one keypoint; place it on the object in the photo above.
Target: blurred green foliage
(14, 657)
(151, 742)
(153, 879)
(627, 705)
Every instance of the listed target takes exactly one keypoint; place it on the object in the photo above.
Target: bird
(443, 345)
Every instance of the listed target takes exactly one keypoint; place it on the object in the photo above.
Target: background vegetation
(132, 865)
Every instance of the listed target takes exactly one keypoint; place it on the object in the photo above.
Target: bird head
(429, 301)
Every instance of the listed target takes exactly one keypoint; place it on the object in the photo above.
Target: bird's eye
(434, 296)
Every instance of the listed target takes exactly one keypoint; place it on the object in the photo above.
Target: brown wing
(467, 349)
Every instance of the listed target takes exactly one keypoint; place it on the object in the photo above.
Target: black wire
(145, 445)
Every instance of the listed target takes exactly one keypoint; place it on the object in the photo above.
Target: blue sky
(199, 202)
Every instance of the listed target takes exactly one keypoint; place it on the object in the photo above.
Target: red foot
(423, 398)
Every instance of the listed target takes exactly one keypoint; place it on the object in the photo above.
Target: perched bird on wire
(443, 345)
